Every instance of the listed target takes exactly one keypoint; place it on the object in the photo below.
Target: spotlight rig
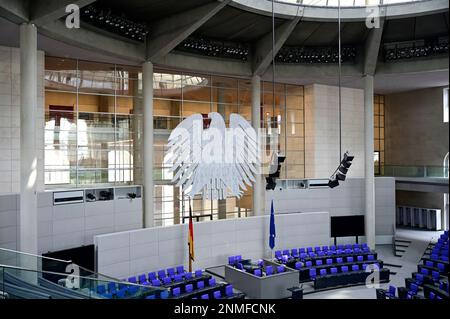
(341, 172)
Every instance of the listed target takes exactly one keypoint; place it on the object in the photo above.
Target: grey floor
(419, 242)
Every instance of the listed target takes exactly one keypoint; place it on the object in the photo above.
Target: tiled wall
(129, 253)
(346, 199)
(322, 130)
(72, 225)
(10, 120)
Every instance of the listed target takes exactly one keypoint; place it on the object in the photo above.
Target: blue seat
(189, 288)
(444, 258)
(424, 271)
(132, 280)
(257, 272)
(323, 272)
(431, 295)
(142, 278)
(284, 259)
(161, 273)
(435, 275)
(188, 275)
(269, 270)
(441, 267)
(321, 253)
(391, 292)
(370, 257)
(176, 291)
(166, 280)
(298, 265)
(170, 272)
(238, 258)
(150, 297)
(350, 259)
(312, 273)
(294, 252)
(333, 248)
(112, 287)
(330, 253)
(348, 246)
(333, 270)
(178, 278)
(229, 290)
(324, 248)
(278, 254)
(303, 255)
(180, 270)
(413, 289)
(156, 282)
(132, 290)
(151, 275)
(348, 251)
(359, 258)
(339, 260)
(240, 266)
(198, 273)
(164, 294)
(344, 268)
(121, 293)
(364, 266)
(364, 246)
(340, 247)
(355, 267)
(205, 296)
(280, 269)
(312, 255)
(101, 289)
(217, 294)
(356, 246)
(317, 249)
(319, 262)
(329, 261)
(419, 279)
(301, 250)
(308, 263)
(309, 249)
(212, 282)
(200, 284)
(286, 252)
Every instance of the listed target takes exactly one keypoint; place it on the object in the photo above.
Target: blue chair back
(323, 272)
(151, 275)
(167, 280)
(359, 258)
(392, 291)
(200, 284)
(178, 278)
(280, 269)
(156, 282)
(424, 271)
(198, 273)
(112, 287)
(132, 280)
(319, 262)
(180, 270)
(257, 272)
(142, 278)
(324, 248)
(370, 257)
(189, 288)
(309, 249)
(269, 270)
(286, 252)
(212, 281)
(205, 296)
(355, 268)
(176, 291)
(164, 294)
(161, 273)
(312, 273)
(308, 263)
(229, 290)
(121, 293)
(344, 268)
(217, 294)
(298, 265)
(329, 261)
(350, 259)
(170, 272)
(188, 275)
(101, 289)
(339, 260)
(333, 270)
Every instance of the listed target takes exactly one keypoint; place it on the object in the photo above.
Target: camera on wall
(274, 170)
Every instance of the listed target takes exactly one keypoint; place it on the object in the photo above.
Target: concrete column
(28, 153)
(368, 161)
(258, 192)
(147, 91)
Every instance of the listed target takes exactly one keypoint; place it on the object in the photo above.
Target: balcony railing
(428, 171)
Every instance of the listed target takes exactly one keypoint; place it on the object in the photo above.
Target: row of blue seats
(321, 249)
(434, 264)
(188, 288)
(282, 256)
(335, 270)
(331, 261)
(217, 294)
(160, 278)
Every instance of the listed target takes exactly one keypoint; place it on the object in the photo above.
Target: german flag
(191, 238)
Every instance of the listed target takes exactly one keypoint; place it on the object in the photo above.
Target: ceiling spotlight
(341, 172)
(332, 183)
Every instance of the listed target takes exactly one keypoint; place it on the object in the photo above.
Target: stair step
(403, 241)
(400, 250)
(401, 245)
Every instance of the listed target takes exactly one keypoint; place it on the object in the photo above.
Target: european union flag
(272, 228)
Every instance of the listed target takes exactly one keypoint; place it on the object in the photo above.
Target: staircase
(400, 246)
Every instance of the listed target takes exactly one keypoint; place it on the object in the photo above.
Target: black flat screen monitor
(347, 226)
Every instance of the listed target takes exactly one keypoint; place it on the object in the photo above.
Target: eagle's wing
(246, 152)
(184, 145)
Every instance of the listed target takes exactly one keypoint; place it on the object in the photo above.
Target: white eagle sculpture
(213, 161)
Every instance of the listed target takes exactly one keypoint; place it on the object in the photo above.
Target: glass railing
(23, 275)
(428, 171)
(345, 3)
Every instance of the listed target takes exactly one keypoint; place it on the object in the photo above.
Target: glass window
(446, 102)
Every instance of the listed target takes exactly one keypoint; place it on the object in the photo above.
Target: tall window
(379, 156)
(89, 116)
